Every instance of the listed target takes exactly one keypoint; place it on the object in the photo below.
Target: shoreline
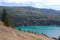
(41, 34)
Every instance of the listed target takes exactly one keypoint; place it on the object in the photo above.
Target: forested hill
(32, 16)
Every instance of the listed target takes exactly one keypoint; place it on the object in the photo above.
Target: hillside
(32, 16)
(7, 33)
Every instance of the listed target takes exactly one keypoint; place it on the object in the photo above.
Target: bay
(51, 31)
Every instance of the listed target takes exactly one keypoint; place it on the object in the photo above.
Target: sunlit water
(51, 31)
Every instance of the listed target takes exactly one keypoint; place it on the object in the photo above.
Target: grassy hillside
(32, 16)
(7, 33)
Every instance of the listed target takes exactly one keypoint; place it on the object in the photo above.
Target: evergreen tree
(6, 19)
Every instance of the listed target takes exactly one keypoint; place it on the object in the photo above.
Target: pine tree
(5, 19)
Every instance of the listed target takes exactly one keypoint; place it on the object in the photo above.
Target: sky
(50, 4)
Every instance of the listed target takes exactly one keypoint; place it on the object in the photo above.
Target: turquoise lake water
(51, 31)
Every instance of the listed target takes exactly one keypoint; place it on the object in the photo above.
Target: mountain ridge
(30, 15)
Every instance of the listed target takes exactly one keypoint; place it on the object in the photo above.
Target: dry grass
(12, 34)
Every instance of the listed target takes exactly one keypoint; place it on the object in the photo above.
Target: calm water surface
(52, 31)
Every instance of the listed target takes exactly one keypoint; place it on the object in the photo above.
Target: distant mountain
(43, 10)
(32, 16)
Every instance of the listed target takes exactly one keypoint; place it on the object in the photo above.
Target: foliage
(6, 19)
(19, 29)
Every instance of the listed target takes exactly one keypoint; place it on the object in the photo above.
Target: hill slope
(32, 16)
(12, 34)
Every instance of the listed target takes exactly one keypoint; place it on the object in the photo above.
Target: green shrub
(19, 29)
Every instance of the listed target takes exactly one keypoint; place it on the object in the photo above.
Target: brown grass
(7, 33)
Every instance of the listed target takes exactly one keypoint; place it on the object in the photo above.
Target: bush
(19, 29)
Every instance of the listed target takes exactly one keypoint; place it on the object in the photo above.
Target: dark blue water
(52, 31)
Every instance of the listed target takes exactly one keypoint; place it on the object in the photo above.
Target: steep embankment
(7, 33)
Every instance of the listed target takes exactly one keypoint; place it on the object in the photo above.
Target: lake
(51, 31)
